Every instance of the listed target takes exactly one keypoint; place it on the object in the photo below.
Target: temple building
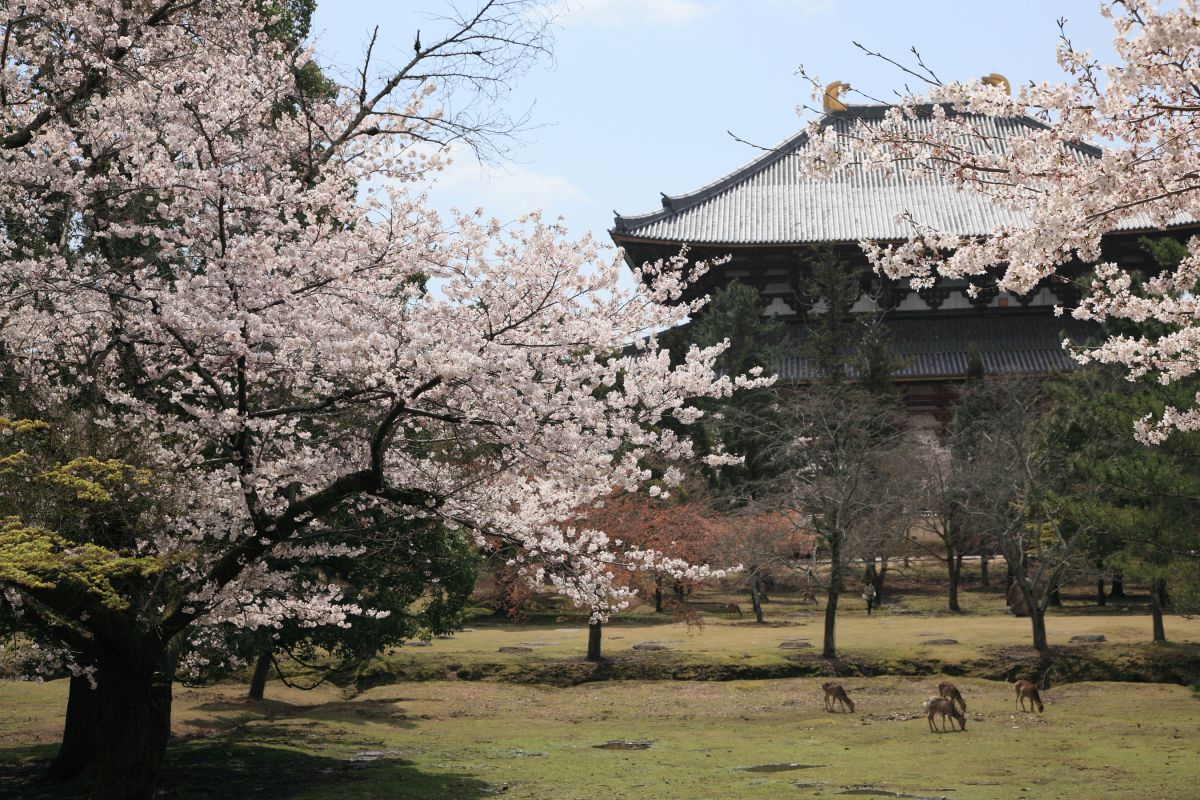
(771, 220)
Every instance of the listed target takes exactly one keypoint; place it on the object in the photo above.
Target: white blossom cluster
(242, 284)
(1112, 147)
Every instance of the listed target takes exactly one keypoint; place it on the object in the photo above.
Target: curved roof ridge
(674, 205)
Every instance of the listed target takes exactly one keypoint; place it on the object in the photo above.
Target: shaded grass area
(747, 739)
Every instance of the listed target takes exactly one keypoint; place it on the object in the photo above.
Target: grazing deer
(834, 691)
(1028, 690)
(951, 693)
(947, 708)
(808, 599)
(733, 608)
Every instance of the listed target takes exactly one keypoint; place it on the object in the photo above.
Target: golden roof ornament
(996, 79)
(832, 92)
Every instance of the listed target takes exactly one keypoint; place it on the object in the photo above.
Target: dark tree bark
(1118, 586)
(829, 648)
(78, 747)
(134, 715)
(1037, 617)
(954, 568)
(1008, 577)
(594, 632)
(678, 589)
(876, 576)
(984, 578)
(1101, 598)
(658, 594)
(262, 668)
(1157, 590)
(1055, 598)
(756, 598)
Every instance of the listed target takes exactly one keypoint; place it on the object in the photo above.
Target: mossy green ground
(468, 740)
(438, 738)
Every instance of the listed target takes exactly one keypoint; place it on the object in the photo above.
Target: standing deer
(947, 708)
(951, 693)
(834, 691)
(732, 609)
(808, 599)
(1028, 689)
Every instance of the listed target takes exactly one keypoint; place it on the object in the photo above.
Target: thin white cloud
(505, 191)
(810, 8)
(630, 13)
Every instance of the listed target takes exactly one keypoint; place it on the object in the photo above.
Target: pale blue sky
(642, 92)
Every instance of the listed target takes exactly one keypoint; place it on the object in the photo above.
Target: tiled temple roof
(769, 201)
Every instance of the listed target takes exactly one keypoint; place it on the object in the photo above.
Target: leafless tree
(834, 455)
(1014, 476)
(944, 496)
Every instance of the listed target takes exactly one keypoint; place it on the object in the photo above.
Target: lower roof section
(939, 347)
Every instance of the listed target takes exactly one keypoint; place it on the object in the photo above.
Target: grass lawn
(740, 739)
(517, 736)
(909, 636)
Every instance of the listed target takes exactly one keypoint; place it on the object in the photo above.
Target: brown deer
(733, 608)
(1028, 690)
(834, 691)
(947, 708)
(808, 599)
(951, 693)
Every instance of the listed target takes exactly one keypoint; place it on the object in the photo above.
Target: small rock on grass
(795, 644)
(650, 646)
(516, 649)
(1089, 637)
(940, 641)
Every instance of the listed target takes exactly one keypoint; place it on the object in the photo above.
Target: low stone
(650, 646)
(940, 641)
(418, 643)
(1089, 637)
(516, 649)
(795, 644)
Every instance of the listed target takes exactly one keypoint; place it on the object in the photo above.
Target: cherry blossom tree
(242, 277)
(1116, 146)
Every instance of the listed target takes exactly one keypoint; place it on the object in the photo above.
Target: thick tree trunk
(1118, 586)
(594, 631)
(1101, 598)
(954, 568)
(1008, 577)
(262, 668)
(829, 648)
(1037, 616)
(1055, 598)
(134, 717)
(1157, 589)
(78, 746)
(984, 579)
(756, 599)
(658, 594)
(678, 588)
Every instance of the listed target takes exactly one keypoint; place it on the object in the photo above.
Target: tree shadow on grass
(239, 712)
(206, 770)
